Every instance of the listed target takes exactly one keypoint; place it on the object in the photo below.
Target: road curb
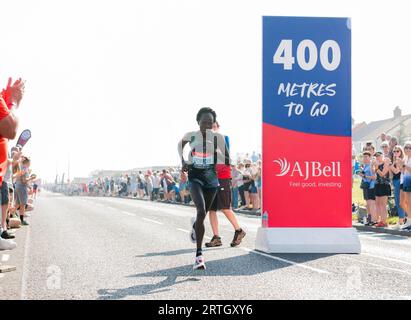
(361, 227)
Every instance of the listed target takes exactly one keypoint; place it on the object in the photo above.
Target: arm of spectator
(13, 93)
(373, 177)
(386, 168)
(397, 169)
(8, 121)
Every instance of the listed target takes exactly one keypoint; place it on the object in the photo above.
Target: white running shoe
(193, 232)
(398, 227)
(7, 244)
(199, 264)
(403, 226)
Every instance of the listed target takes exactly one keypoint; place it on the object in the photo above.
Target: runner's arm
(182, 143)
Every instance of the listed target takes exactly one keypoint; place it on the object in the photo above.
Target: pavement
(112, 248)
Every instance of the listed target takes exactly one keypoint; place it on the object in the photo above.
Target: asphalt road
(111, 248)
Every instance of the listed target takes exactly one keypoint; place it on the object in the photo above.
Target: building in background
(399, 126)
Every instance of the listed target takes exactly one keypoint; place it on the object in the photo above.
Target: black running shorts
(222, 200)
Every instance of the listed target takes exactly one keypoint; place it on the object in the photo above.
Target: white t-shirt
(156, 182)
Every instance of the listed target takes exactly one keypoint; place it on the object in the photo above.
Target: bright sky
(115, 84)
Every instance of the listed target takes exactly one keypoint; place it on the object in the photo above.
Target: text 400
(284, 55)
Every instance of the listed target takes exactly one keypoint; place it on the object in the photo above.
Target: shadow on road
(166, 253)
(144, 289)
(176, 252)
(245, 265)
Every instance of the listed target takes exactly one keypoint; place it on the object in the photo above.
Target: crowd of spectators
(171, 185)
(385, 176)
(19, 185)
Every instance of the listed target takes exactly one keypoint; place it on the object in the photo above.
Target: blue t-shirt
(368, 173)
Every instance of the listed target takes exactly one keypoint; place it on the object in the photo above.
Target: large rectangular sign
(306, 122)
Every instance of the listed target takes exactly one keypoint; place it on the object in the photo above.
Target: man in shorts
(222, 201)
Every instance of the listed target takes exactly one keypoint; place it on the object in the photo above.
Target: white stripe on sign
(300, 265)
(5, 257)
(153, 221)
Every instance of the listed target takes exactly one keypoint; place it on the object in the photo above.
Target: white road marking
(300, 265)
(187, 211)
(188, 231)
(25, 267)
(379, 266)
(5, 257)
(386, 258)
(128, 213)
(153, 221)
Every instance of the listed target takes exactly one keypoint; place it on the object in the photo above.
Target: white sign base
(308, 240)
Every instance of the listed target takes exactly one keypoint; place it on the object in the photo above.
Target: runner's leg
(202, 199)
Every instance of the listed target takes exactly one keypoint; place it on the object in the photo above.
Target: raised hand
(13, 92)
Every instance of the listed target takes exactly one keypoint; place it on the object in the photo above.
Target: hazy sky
(115, 84)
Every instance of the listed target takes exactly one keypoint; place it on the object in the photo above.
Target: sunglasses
(397, 151)
(407, 148)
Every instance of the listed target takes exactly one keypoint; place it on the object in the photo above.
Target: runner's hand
(185, 167)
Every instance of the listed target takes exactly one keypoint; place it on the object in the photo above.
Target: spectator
(169, 185)
(141, 185)
(368, 186)
(5, 199)
(149, 184)
(23, 178)
(240, 184)
(234, 184)
(250, 190)
(396, 169)
(393, 144)
(183, 187)
(406, 181)
(370, 147)
(259, 180)
(156, 186)
(112, 186)
(385, 149)
(128, 181)
(10, 99)
(382, 187)
(254, 198)
(254, 157)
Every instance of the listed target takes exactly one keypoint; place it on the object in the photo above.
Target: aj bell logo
(308, 169)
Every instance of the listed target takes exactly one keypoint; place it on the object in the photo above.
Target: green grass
(357, 195)
(357, 198)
